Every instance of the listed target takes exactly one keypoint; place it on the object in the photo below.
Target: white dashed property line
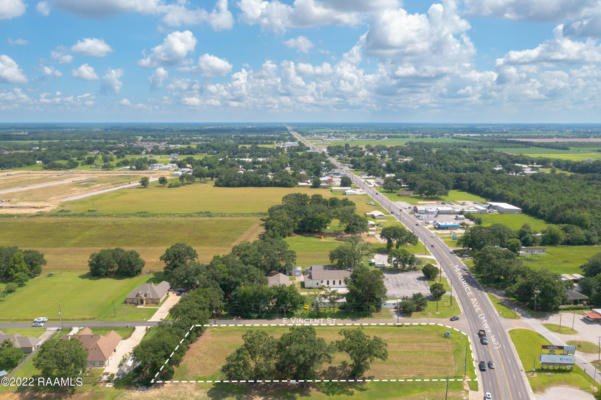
(293, 381)
(399, 324)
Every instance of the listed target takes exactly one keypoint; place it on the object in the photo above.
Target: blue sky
(300, 60)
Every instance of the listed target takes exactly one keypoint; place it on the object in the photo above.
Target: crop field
(514, 221)
(562, 259)
(413, 352)
(68, 242)
(79, 297)
(528, 345)
(189, 199)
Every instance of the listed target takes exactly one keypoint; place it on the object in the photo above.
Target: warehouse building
(504, 208)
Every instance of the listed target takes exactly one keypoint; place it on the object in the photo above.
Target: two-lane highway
(507, 381)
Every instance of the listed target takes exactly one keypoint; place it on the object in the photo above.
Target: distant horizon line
(291, 123)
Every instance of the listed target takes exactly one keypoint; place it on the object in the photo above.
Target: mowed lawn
(453, 196)
(79, 298)
(562, 259)
(413, 352)
(528, 345)
(68, 242)
(312, 250)
(514, 221)
(196, 198)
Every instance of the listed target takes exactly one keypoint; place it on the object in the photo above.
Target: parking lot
(405, 284)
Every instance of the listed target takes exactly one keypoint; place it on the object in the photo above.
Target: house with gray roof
(25, 343)
(148, 293)
(319, 276)
(278, 280)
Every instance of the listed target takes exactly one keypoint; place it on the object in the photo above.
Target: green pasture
(456, 196)
(562, 259)
(514, 221)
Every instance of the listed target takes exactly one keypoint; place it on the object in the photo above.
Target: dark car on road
(482, 366)
(454, 318)
(491, 365)
(484, 340)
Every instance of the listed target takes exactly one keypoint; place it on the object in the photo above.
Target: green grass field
(584, 346)
(445, 308)
(311, 250)
(67, 243)
(564, 330)
(32, 332)
(189, 199)
(78, 297)
(528, 344)
(503, 310)
(453, 196)
(416, 352)
(562, 259)
(514, 221)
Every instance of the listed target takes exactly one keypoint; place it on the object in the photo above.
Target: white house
(319, 276)
(380, 260)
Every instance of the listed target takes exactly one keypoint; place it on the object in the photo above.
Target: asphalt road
(71, 324)
(507, 381)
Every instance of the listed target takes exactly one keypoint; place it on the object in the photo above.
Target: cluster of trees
(366, 291)
(58, 358)
(299, 354)
(350, 254)
(502, 268)
(300, 213)
(591, 283)
(115, 263)
(10, 356)
(263, 301)
(18, 266)
(232, 178)
(398, 236)
(418, 302)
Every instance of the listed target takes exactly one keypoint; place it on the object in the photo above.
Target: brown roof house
(99, 347)
(25, 343)
(149, 293)
(278, 280)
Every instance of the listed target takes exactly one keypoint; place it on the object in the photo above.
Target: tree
(316, 182)
(144, 182)
(361, 349)
(58, 358)
(35, 261)
(177, 255)
(350, 254)
(356, 224)
(514, 245)
(398, 235)
(268, 254)
(115, 263)
(300, 353)
(18, 271)
(185, 276)
(103, 263)
(550, 289)
(10, 356)
(254, 360)
(402, 258)
(391, 184)
(437, 289)
(593, 266)
(366, 290)
(430, 272)
(162, 181)
(406, 306)
(129, 264)
(553, 236)
(287, 299)
(345, 181)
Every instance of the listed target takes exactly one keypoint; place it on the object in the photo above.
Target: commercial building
(504, 208)
(318, 276)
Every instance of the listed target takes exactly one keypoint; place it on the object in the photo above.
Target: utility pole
(599, 348)
(559, 322)
(573, 318)
(60, 315)
(446, 390)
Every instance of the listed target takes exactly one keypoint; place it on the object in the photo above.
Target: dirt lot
(29, 192)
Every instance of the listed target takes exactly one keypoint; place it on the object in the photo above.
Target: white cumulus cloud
(43, 8)
(105, 8)
(60, 55)
(18, 42)
(91, 47)
(172, 51)
(11, 9)
(111, 80)
(300, 43)
(85, 72)
(210, 65)
(220, 18)
(51, 71)
(158, 77)
(10, 71)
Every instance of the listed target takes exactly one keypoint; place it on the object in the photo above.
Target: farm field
(514, 221)
(68, 242)
(528, 345)
(416, 352)
(189, 199)
(79, 298)
(562, 259)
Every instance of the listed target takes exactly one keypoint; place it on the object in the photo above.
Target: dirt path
(251, 234)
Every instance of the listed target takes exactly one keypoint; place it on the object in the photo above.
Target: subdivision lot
(77, 296)
(68, 242)
(562, 259)
(413, 352)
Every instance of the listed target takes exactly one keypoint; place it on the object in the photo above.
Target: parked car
(455, 318)
(491, 365)
(180, 291)
(487, 396)
(482, 366)
(484, 340)
(38, 324)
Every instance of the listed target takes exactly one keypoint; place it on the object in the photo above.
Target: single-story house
(574, 297)
(380, 260)
(148, 293)
(278, 280)
(25, 343)
(375, 214)
(99, 347)
(575, 278)
(533, 251)
(318, 276)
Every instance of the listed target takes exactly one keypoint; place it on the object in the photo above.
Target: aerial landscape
(288, 199)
